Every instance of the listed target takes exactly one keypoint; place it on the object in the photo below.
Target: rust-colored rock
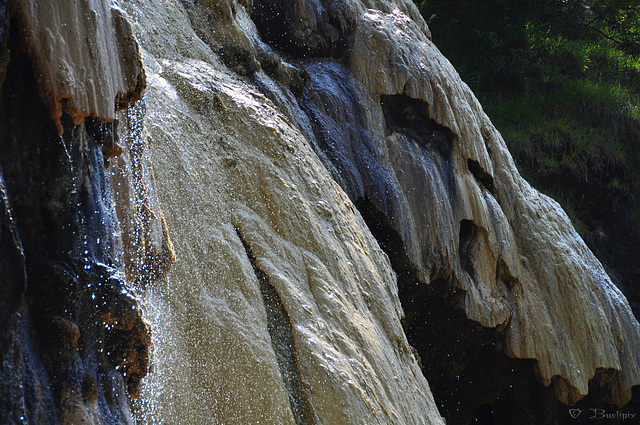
(84, 56)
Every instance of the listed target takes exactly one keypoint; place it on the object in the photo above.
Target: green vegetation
(561, 80)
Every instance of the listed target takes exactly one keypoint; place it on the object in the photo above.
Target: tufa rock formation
(73, 340)
(353, 241)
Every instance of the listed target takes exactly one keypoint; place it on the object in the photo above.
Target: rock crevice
(279, 326)
(378, 207)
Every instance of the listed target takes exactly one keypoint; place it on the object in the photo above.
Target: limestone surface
(257, 212)
(283, 134)
(452, 192)
(512, 250)
(84, 56)
(392, 122)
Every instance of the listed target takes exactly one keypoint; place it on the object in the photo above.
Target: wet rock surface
(58, 341)
(84, 56)
(407, 154)
(391, 122)
(73, 342)
(443, 190)
(354, 243)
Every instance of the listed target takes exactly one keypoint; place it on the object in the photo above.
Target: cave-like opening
(472, 380)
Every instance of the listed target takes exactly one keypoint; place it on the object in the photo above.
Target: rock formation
(73, 341)
(350, 230)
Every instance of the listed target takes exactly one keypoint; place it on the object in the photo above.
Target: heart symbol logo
(575, 412)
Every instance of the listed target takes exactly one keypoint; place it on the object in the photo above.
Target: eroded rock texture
(432, 165)
(83, 55)
(351, 232)
(259, 110)
(73, 342)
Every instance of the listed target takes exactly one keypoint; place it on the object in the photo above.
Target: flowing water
(228, 162)
(281, 307)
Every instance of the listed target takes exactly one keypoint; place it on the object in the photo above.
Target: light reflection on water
(154, 405)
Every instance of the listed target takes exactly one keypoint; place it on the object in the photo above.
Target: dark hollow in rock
(411, 116)
(485, 179)
(280, 26)
(472, 380)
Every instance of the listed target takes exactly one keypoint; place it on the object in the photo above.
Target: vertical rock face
(83, 55)
(73, 342)
(440, 174)
(281, 307)
(389, 119)
(334, 192)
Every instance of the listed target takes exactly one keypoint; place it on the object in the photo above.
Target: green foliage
(561, 81)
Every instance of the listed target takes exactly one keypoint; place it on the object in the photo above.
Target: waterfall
(279, 212)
